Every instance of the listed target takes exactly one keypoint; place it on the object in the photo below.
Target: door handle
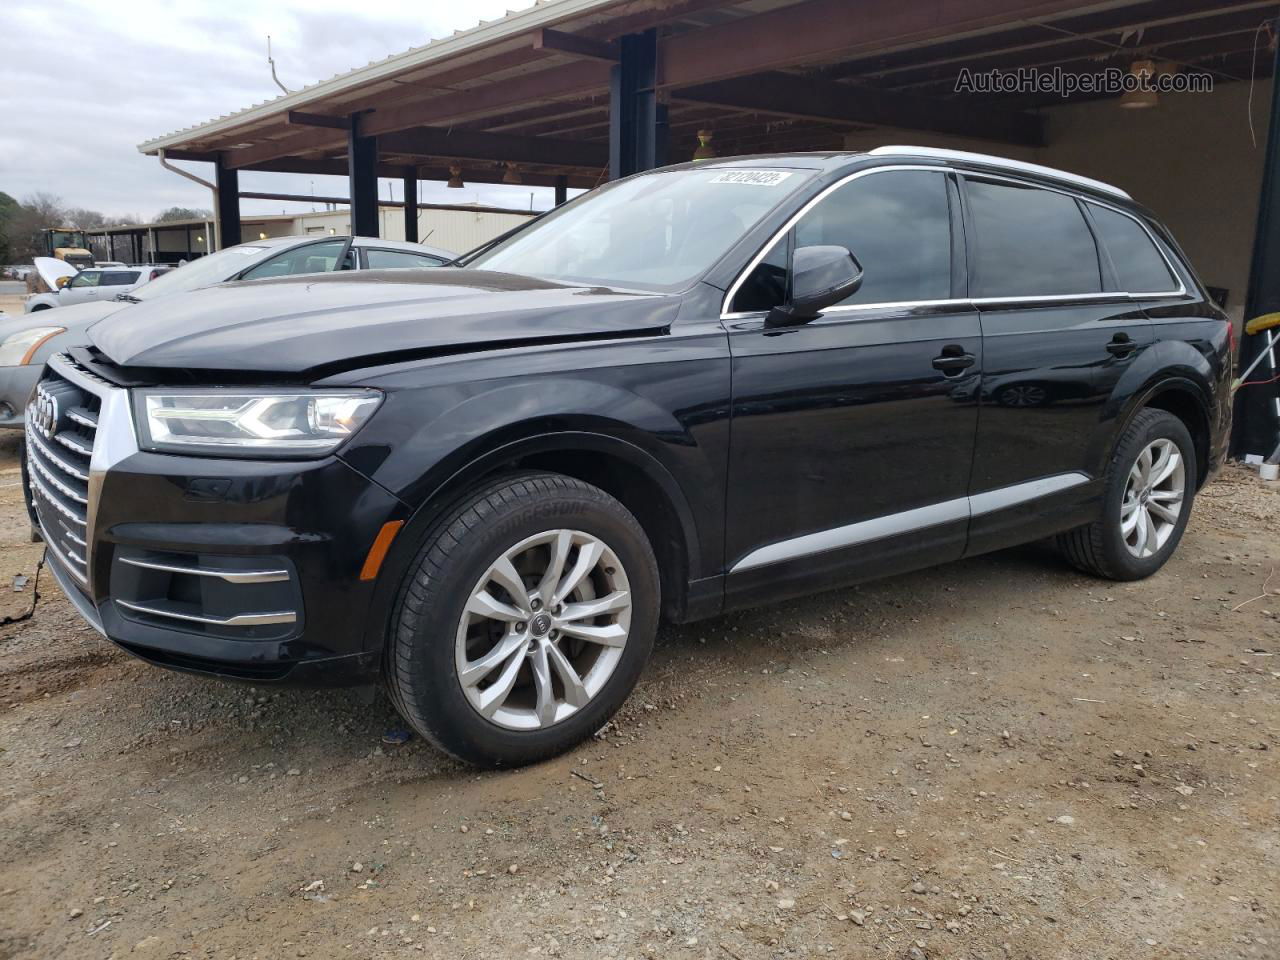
(1121, 345)
(953, 360)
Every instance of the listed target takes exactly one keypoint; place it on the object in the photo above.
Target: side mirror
(820, 276)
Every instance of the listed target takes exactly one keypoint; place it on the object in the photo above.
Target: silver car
(27, 342)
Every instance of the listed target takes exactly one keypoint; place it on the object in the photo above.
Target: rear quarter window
(1139, 265)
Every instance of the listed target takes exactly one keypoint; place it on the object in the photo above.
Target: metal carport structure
(569, 93)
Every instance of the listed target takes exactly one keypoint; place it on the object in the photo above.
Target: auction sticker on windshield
(755, 178)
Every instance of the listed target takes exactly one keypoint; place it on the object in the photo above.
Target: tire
(438, 645)
(1112, 547)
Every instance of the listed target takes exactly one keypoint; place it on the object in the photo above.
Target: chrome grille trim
(66, 467)
(239, 620)
(57, 484)
(231, 576)
(73, 445)
(65, 464)
(38, 485)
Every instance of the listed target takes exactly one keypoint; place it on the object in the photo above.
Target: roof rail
(1001, 162)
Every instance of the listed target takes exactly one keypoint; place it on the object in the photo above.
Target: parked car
(94, 283)
(25, 344)
(689, 391)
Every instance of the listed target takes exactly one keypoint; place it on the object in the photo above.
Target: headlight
(18, 348)
(306, 423)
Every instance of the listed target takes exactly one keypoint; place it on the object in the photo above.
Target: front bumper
(236, 568)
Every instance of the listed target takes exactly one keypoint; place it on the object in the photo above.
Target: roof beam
(1149, 16)
(788, 95)
(828, 30)
(304, 141)
(299, 118)
(474, 145)
(1065, 47)
(574, 81)
(556, 41)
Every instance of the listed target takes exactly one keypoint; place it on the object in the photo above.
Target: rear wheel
(1150, 486)
(524, 621)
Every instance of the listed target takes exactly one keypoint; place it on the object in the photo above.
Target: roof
(544, 13)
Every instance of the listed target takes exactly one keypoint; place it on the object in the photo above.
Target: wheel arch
(1186, 400)
(626, 472)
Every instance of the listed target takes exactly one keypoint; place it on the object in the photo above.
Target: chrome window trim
(1049, 300)
(907, 521)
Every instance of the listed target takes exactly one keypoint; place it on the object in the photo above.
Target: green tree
(8, 211)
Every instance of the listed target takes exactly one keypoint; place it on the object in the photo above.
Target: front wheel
(524, 621)
(1149, 488)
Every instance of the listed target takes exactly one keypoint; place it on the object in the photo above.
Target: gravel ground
(998, 758)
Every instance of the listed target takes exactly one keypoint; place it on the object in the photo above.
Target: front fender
(659, 407)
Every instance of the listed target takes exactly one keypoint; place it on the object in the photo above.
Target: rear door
(1058, 335)
(852, 435)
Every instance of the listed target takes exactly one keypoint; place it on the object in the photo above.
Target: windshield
(201, 272)
(657, 231)
(67, 238)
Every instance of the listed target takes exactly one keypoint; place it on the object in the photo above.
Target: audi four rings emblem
(46, 415)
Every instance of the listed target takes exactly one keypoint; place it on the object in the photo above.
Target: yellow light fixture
(332, 231)
(1143, 72)
(455, 177)
(705, 151)
(512, 175)
(199, 239)
(262, 236)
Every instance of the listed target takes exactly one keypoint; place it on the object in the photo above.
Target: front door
(852, 436)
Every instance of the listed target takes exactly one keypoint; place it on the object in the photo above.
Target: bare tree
(183, 213)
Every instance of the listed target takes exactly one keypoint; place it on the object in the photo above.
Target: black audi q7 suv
(688, 391)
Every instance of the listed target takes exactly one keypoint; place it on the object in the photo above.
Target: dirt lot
(997, 758)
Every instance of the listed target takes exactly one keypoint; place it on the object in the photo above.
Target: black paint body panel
(746, 436)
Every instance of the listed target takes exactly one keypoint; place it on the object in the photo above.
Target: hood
(51, 270)
(298, 325)
(77, 316)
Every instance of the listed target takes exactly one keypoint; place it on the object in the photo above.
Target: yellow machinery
(69, 244)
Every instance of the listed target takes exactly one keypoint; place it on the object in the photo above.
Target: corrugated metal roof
(544, 13)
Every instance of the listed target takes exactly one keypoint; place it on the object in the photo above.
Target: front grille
(61, 427)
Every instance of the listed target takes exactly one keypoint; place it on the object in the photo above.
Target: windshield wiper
(127, 298)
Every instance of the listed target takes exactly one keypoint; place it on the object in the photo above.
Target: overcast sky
(83, 83)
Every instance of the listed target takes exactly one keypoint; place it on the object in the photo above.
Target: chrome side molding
(920, 518)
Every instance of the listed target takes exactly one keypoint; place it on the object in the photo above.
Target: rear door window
(1138, 263)
(119, 279)
(1029, 242)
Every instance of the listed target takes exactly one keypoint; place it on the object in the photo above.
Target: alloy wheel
(1153, 498)
(543, 629)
